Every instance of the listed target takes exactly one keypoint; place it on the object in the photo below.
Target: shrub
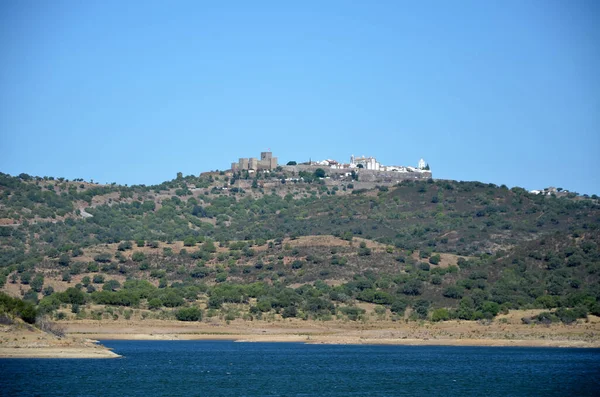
(98, 279)
(17, 307)
(138, 256)
(189, 314)
(72, 296)
(440, 315)
(111, 285)
(125, 245)
(413, 287)
(189, 242)
(297, 264)
(352, 312)
(454, 292)
(102, 258)
(399, 306)
(289, 311)
(435, 259)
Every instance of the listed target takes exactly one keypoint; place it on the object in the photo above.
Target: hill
(199, 248)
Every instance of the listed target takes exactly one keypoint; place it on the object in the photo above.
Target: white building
(368, 163)
(422, 164)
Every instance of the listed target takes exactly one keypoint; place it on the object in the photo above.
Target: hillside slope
(196, 247)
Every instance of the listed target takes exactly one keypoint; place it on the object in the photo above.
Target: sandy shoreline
(347, 340)
(509, 332)
(82, 335)
(22, 340)
(56, 352)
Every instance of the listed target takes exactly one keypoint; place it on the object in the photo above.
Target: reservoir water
(224, 368)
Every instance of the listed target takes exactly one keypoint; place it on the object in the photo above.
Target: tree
(37, 283)
(412, 287)
(64, 259)
(98, 279)
(319, 173)
(48, 291)
(25, 278)
(421, 308)
(292, 163)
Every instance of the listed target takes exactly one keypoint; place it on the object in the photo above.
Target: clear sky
(506, 92)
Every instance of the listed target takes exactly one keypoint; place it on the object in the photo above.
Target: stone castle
(266, 163)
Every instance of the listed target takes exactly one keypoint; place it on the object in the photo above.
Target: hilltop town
(363, 172)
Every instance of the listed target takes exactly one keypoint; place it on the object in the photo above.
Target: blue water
(222, 368)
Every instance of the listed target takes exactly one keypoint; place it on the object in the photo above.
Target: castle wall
(388, 177)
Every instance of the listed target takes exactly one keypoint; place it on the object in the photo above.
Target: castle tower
(253, 163)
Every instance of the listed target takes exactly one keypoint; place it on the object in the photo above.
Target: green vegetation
(15, 307)
(446, 250)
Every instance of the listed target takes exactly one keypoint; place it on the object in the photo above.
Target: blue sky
(136, 91)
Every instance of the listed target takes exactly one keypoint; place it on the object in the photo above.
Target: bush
(289, 311)
(319, 173)
(297, 264)
(189, 242)
(102, 258)
(71, 295)
(440, 315)
(399, 306)
(16, 307)
(125, 245)
(98, 279)
(454, 292)
(352, 312)
(413, 287)
(189, 314)
(138, 256)
(111, 285)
